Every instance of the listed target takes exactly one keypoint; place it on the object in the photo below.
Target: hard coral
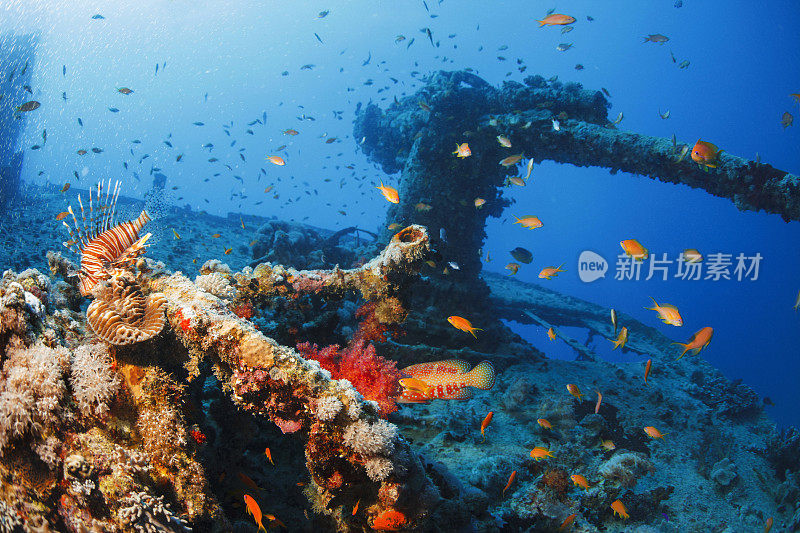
(373, 376)
(556, 480)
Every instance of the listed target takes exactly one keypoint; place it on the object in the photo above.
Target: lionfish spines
(104, 245)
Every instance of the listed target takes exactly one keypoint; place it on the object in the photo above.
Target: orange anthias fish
(699, 340)
(485, 424)
(513, 267)
(389, 520)
(608, 445)
(529, 222)
(444, 380)
(647, 370)
(539, 453)
(511, 160)
(567, 522)
(705, 154)
(556, 19)
(504, 142)
(599, 401)
(551, 272)
(463, 324)
(668, 313)
(551, 334)
(622, 338)
(768, 525)
(290, 132)
(633, 248)
(462, 150)
(479, 203)
(276, 160)
(511, 479)
(575, 391)
(544, 423)
(619, 509)
(653, 432)
(269, 456)
(62, 215)
(579, 481)
(254, 510)
(390, 193)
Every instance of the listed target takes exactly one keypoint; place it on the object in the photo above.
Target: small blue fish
(98, 17)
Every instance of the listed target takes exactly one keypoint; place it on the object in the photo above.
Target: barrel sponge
(371, 438)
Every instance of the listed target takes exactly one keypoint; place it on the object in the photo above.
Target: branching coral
(148, 514)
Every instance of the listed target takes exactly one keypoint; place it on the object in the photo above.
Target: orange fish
(62, 215)
(556, 20)
(479, 203)
(393, 226)
(248, 481)
(511, 160)
(485, 423)
(269, 188)
(82, 152)
(668, 313)
(633, 248)
(529, 222)
(290, 132)
(423, 208)
(699, 340)
(504, 142)
(355, 507)
(254, 510)
(599, 401)
(463, 324)
(228, 251)
(513, 267)
(462, 150)
(511, 479)
(544, 423)
(575, 391)
(516, 180)
(579, 481)
(390, 193)
(690, 255)
(622, 338)
(653, 432)
(216, 236)
(608, 445)
(389, 520)
(647, 370)
(551, 272)
(444, 380)
(65, 188)
(705, 154)
(619, 509)
(551, 334)
(768, 525)
(269, 456)
(539, 453)
(276, 160)
(567, 522)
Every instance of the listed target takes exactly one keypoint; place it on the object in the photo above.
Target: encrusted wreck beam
(352, 455)
(417, 136)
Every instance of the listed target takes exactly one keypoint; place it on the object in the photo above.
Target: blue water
(744, 63)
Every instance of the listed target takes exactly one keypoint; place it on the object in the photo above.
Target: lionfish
(102, 244)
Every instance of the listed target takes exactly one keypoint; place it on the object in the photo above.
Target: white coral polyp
(94, 383)
(216, 284)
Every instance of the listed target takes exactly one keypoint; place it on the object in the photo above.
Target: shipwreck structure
(417, 135)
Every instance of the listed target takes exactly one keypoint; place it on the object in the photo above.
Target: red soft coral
(373, 376)
(370, 328)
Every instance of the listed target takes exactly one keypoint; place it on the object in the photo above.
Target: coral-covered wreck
(169, 399)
